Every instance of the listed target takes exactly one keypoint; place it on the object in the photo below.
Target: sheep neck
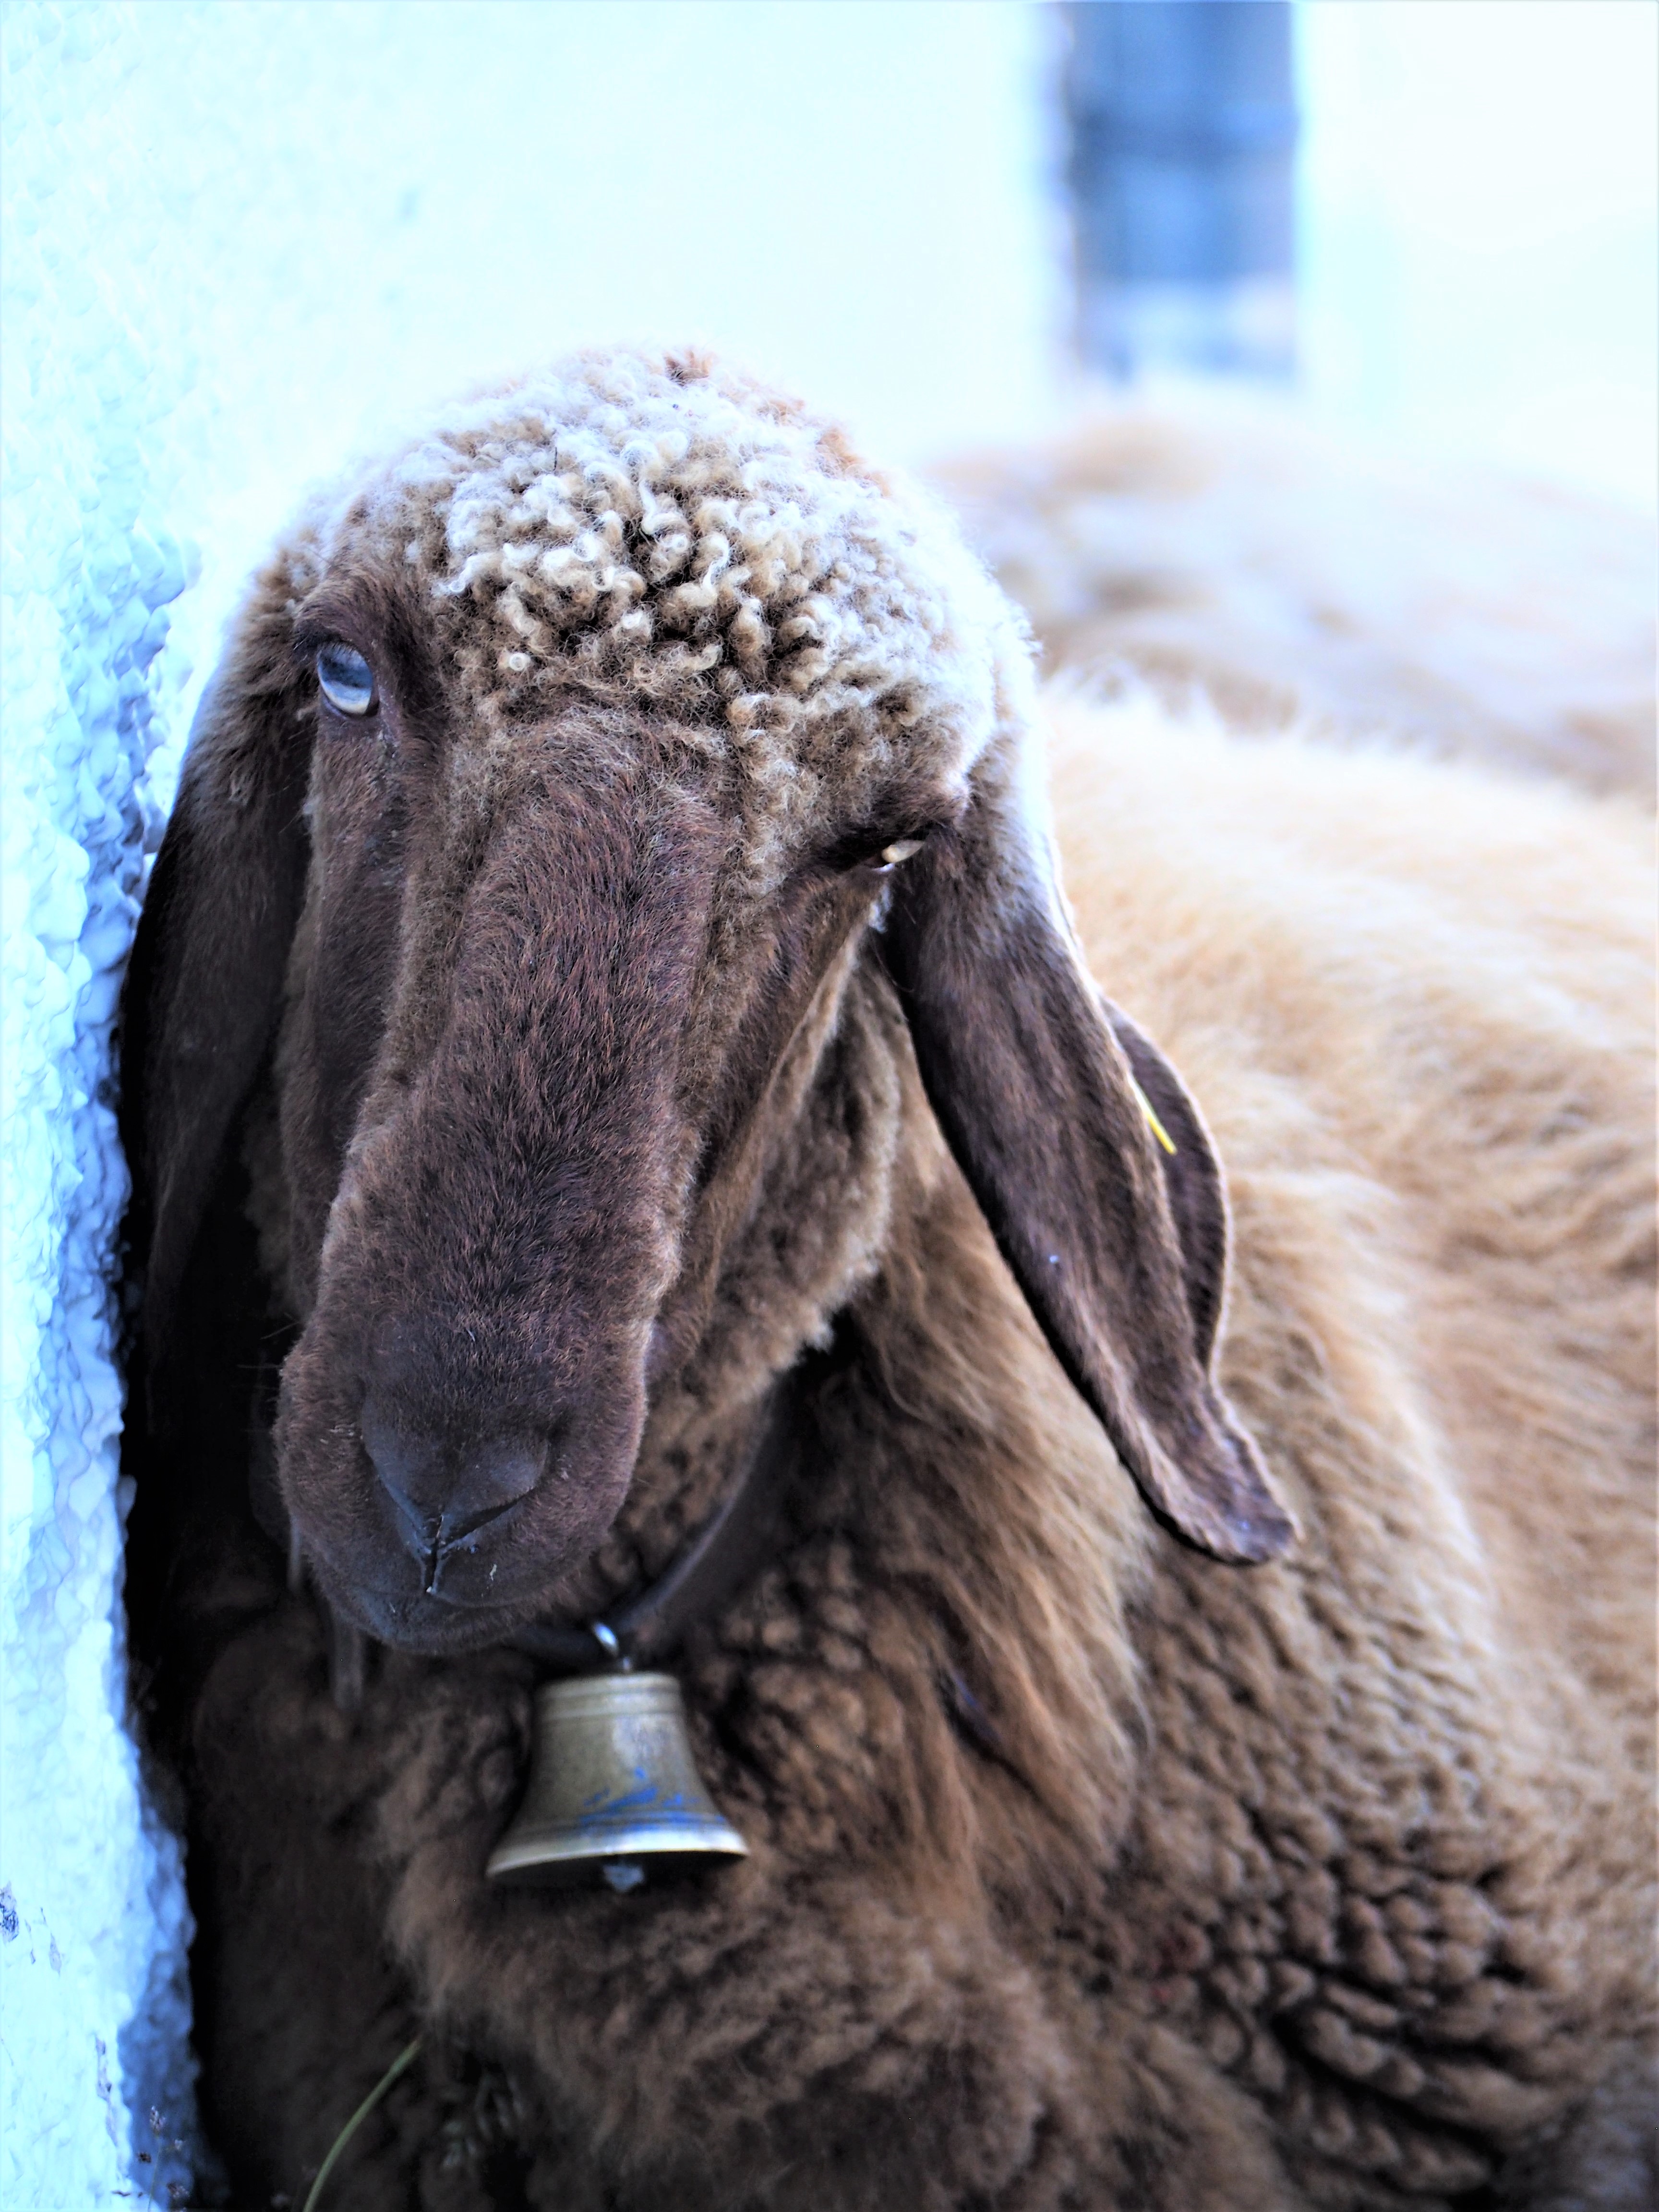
(720, 1560)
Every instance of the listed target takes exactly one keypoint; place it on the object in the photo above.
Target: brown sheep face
(540, 810)
(532, 1013)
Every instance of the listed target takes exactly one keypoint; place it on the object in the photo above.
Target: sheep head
(556, 783)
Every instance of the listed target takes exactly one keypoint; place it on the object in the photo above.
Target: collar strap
(727, 1553)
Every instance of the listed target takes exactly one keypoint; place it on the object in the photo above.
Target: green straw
(400, 2064)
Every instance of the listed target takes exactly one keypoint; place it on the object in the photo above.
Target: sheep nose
(442, 1496)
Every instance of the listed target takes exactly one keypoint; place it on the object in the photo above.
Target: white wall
(1480, 219)
(91, 1903)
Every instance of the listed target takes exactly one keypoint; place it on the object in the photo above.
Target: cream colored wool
(685, 537)
(1414, 1002)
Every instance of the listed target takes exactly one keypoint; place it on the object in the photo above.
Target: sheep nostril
(456, 1527)
(443, 1497)
(422, 1533)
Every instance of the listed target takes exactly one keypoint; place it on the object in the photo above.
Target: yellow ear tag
(1153, 1122)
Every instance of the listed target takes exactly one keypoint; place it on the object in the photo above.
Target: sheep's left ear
(204, 984)
(1043, 1091)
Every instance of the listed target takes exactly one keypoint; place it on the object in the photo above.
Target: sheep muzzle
(460, 1417)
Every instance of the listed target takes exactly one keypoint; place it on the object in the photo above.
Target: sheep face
(534, 1013)
(542, 808)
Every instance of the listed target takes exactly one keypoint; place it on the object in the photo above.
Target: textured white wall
(239, 241)
(92, 1906)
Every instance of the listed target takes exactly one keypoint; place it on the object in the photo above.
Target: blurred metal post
(1183, 125)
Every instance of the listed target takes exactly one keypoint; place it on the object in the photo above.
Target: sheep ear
(1043, 1091)
(1192, 1181)
(205, 980)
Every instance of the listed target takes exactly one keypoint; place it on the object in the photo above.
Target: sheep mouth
(434, 1625)
(448, 1528)
(442, 1544)
(456, 1583)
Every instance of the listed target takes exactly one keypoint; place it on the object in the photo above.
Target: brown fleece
(1087, 1870)
(1227, 546)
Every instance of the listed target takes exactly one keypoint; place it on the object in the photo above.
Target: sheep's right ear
(204, 984)
(1046, 1096)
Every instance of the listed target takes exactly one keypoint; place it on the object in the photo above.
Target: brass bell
(613, 1788)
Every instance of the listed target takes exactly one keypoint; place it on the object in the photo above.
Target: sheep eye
(347, 679)
(900, 850)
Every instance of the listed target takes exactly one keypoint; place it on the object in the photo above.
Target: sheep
(1233, 547)
(606, 980)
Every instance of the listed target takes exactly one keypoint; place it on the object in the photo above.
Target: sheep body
(1227, 546)
(1380, 1869)
(1325, 1882)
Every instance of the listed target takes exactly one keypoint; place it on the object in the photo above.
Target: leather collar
(727, 1553)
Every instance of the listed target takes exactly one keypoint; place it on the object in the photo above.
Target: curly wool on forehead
(650, 526)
